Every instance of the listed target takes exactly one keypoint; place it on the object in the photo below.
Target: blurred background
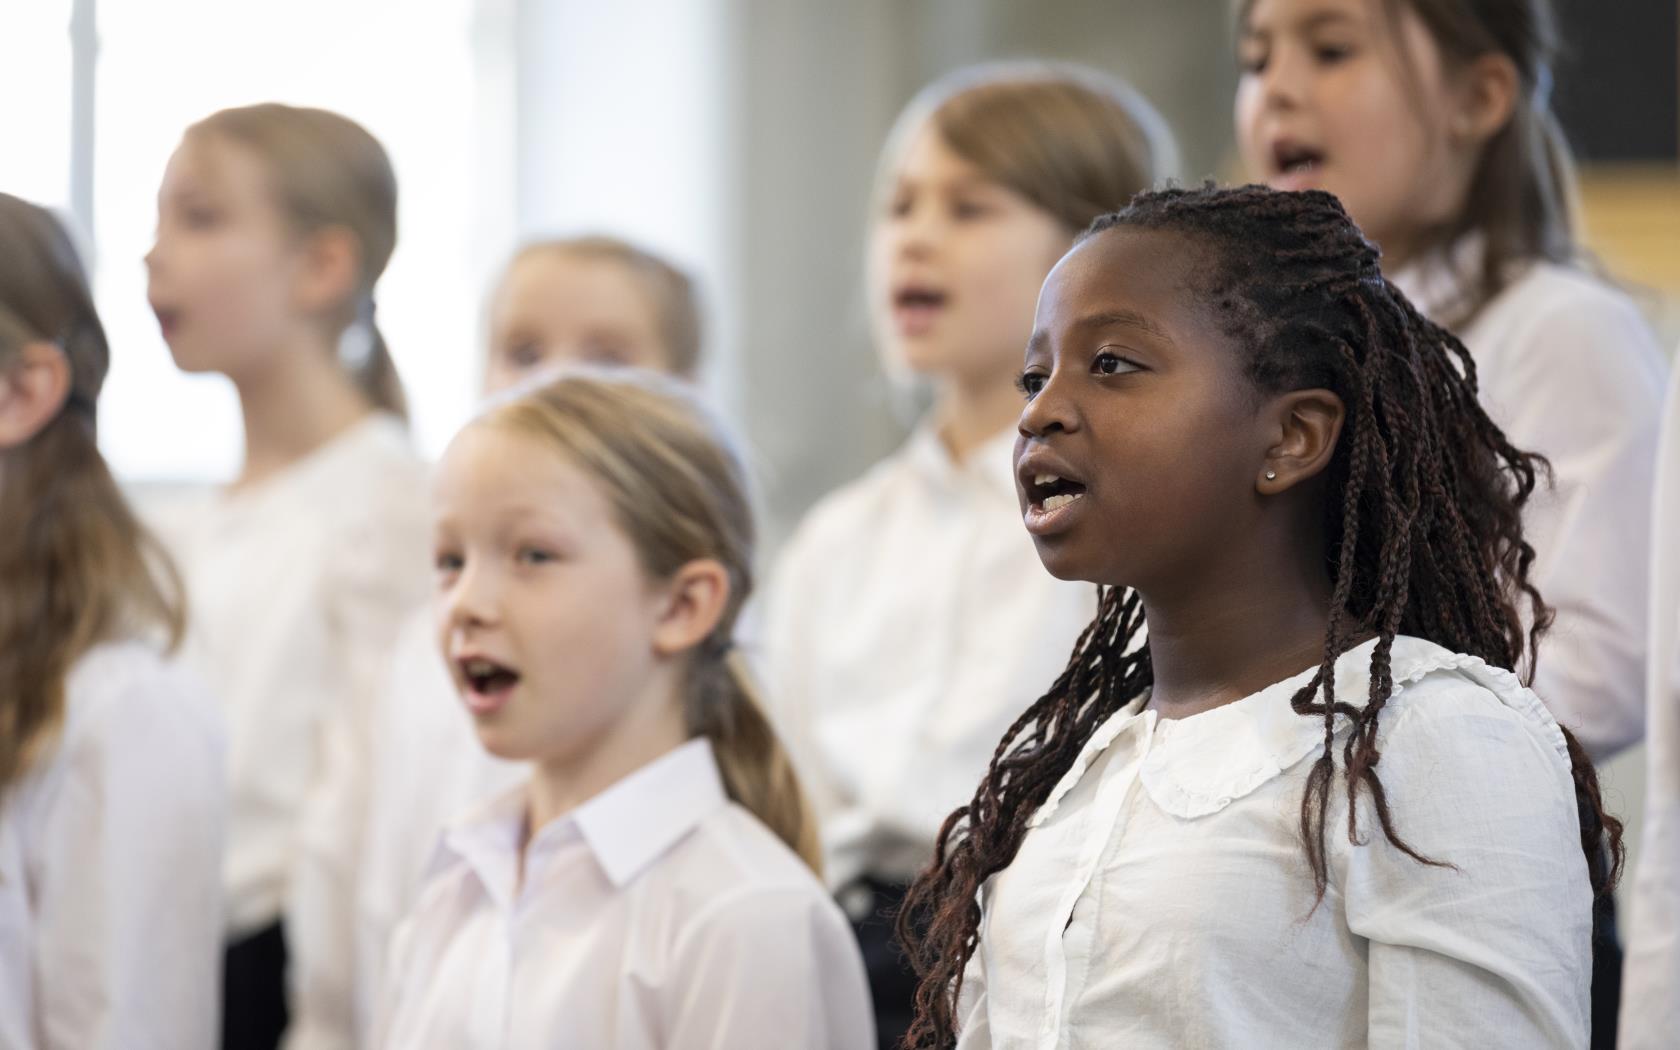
(738, 137)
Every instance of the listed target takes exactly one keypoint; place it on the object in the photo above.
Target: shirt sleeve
(1494, 951)
(974, 1025)
(766, 972)
(129, 949)
(1651, 976)
(376, 587)
(1583, 387)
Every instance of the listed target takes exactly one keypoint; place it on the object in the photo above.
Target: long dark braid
(1424, 519)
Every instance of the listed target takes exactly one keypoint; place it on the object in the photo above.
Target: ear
(33, 388)
(1486, 93)
(695, 598)
(330, 271)
(1306, 425)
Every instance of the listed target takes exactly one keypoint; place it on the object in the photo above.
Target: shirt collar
(1440, 283)
(992, 463)
(1200, 765)
(626, 827)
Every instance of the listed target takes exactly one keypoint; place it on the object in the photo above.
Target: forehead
(206, 162)
(927, 157)
(1150, 273)
(559, 284)
(1287, 15)
(491, 469)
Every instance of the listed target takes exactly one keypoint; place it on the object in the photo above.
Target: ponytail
(723, 707)
(363, 353)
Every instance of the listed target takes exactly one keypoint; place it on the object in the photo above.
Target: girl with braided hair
(1317, 805)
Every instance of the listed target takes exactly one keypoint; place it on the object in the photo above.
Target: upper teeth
(1046, 479)
(480, 667)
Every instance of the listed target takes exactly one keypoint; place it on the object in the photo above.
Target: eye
(198, 217)
(1108, 363)
(899, 205)
(1330, 54)
(447, 563)
(524, 355)
(535, 556)
(1252, 60)
(965, 209)
(605, 352)
(1030, 384)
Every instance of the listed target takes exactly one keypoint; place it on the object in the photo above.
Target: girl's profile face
(554, 307)
(1328, 99)
(1140, 442)
(544, 614)
(955, 261)
(222, 269)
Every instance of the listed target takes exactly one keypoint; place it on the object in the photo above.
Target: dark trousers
(254, 991)
(1606, 974)
(892, 983)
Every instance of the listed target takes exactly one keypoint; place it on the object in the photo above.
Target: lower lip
(1308, 178)
(1041, 522)
(481, 704)
(918, 320)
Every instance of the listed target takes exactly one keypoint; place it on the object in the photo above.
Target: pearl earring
(1271, 475)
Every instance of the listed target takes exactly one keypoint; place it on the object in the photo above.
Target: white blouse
(909, 622)
(1570, 369)
(297, 587)
(656, 915)
(110, 866)
(1651, 974)
(1162, 897)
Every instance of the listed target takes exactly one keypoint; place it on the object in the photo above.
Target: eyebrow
(1305, 24)
(1124, 319)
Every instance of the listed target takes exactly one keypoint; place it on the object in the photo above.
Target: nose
(916, 231)
(1050, 411)
(1283, 81)
(470, 602)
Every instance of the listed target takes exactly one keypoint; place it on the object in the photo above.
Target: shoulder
(733, 877)
(1455, 718)
(1552, 306)
(120, 687)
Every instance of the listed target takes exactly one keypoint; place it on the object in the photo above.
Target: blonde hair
(675, 301)
(78, 567)
(680, 493)
(328, 171)
(1075, 142)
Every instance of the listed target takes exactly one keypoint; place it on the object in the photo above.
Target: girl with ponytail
(653, 883)
(274, 225)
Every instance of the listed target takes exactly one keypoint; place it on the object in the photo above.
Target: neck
(1238, 631)
(646, 729)
(971, 412)
(293, 408)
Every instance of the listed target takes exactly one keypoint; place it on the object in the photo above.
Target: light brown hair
(78, 567)
(328, 171)
(1075, 142)
(670, 290)
(680, 494)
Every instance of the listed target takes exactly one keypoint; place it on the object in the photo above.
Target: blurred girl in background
(112, 792)
(274, 224)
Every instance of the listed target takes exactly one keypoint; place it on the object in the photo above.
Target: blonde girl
(274, 224)
(112, 799)
(911, 622)
(652, 883)
(415, 765)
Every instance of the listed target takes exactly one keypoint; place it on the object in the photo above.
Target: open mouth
(915, 307)
(488, 683)
(1052, 492)
(1295, 164)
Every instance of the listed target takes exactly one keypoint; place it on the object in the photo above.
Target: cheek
(1246, 118)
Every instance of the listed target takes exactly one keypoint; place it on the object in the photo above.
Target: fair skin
(566, 653)
(1331, 98)
(33, 387)
(555, 307)
(955, 262)
(238, 291)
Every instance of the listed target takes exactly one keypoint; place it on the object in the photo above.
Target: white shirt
(1569, 369)
(1162, 897)
(656, 915)
(910, 621)
(110, 866)
(419, 768)
(1651, 975)
(296, 587)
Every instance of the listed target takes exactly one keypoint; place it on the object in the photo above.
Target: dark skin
(1135, 393)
